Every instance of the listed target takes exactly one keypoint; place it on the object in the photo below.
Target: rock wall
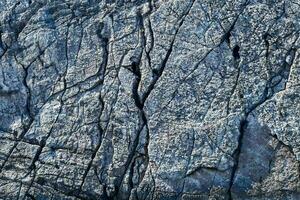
(150, 99)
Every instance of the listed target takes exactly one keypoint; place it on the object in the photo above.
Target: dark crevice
(104, 196)
(136, 71)
(267, 43)
(28, 94)
(32, 166)
(28, 110)
(236, 52)
(30, 196)
(16, 26)
(130, 162)
(140, 100)
(207, 54)
(284, 73)
(131, 172)
(187, 173)
(236, 155)
(101, 74)
(265, 97)
(148, 51)
(228, 34)
(159, 71)
(44, 139)
(227, 37)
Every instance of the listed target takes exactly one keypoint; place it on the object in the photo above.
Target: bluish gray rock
(150, 99)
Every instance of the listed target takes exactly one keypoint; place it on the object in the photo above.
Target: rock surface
(150, 99)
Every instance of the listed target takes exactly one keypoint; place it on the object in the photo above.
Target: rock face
(150, 99)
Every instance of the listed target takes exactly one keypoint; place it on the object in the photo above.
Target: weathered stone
(149, 99)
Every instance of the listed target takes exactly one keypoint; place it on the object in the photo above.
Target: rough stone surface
(150, 99)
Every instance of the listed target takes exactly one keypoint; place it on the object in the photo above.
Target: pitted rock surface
(150, 99)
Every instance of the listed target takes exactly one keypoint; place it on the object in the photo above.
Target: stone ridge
(150, 99)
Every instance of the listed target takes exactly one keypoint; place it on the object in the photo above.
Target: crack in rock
(183, 99)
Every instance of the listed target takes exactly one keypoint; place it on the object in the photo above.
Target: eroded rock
(149, 99)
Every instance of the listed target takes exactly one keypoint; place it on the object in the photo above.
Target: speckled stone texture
(150, 99)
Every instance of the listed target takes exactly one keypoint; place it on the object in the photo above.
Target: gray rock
(149, 99)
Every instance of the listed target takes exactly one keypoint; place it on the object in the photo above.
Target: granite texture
(150, 99)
